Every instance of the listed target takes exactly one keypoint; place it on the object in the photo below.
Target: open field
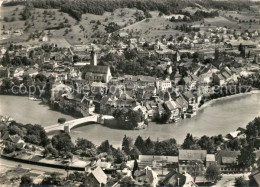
(220, 22)
(153, 28)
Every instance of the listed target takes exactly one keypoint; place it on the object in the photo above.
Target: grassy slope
(154, 28)
(150, 30)
(38, 23)
(90, 29)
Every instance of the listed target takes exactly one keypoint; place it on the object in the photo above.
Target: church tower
(216, 53)
(93, 58)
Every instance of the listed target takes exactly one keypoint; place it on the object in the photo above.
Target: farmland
(61, 26)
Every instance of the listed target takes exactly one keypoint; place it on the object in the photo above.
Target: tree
(26, 181)
(167, 147)
(62, 142)
(52, 180)
(247, 156)
(188, 142)
(50, 150)
(240, 47)
(40, 77)
(147, 14)
(105, 147)
(207, 143)
(253, 129)
(6, 84)
(195, 168)
(6, 19)
(213, 173)
(139, 143)
(31, 138)
(25, 61)
(119, 156)
(131, 54)
(127, 144)
(136, 167)
(14, 129)
(134, 153)
(112, 27)
(84, 144)
(148, 147)
(38, 132)
(61, 120)
(240, 182)
(9, 147)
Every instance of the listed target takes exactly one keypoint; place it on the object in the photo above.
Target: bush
(241, 182)
(26, 180)
(61, 120)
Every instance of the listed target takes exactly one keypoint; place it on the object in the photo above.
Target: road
(229, 180)
(13, 164)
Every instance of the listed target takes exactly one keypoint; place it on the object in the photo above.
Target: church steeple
(93, 57)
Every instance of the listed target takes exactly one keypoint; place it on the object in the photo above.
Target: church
(95, 73)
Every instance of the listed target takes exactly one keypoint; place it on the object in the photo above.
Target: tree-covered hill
(78, 7)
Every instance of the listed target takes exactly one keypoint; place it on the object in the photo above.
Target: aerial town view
(130, 93)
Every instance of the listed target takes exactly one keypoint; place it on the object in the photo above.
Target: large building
(95, 73)
(188, 159)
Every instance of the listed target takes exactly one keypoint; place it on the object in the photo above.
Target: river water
(220, 117)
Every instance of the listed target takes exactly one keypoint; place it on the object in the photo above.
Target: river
(220, 117)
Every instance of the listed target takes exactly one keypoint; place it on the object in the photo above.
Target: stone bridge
(68, 125)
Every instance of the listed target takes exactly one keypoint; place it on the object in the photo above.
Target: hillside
(92, 27)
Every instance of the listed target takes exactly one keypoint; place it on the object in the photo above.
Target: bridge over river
(68, 125)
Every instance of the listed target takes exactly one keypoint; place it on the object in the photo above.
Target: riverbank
(208, 103)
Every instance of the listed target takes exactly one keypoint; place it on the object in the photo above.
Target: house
(165, 54)
(206, 78)
(183, 104)
(164, 85)
(96, 177)
(4, 72)
(233, 135)
(151, 108)
(146, 176)
(176, 78)
(160, 110)
(71, 103)
(256, 177)
(31, 72)
(175, 178)
(245, 43)
(210, 159)
(103, 164)
(227, 160)
(174, 109)
(187, 156)
(157, 162)
(16, 72)
(191, 99)
(125, 172)
(58, 89)
(219, 79)
(123, 34)
(79, 65)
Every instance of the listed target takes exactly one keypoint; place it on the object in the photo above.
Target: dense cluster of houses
(154, 170)
(187, 81)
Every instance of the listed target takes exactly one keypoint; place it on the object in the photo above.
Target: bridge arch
(82, 124)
